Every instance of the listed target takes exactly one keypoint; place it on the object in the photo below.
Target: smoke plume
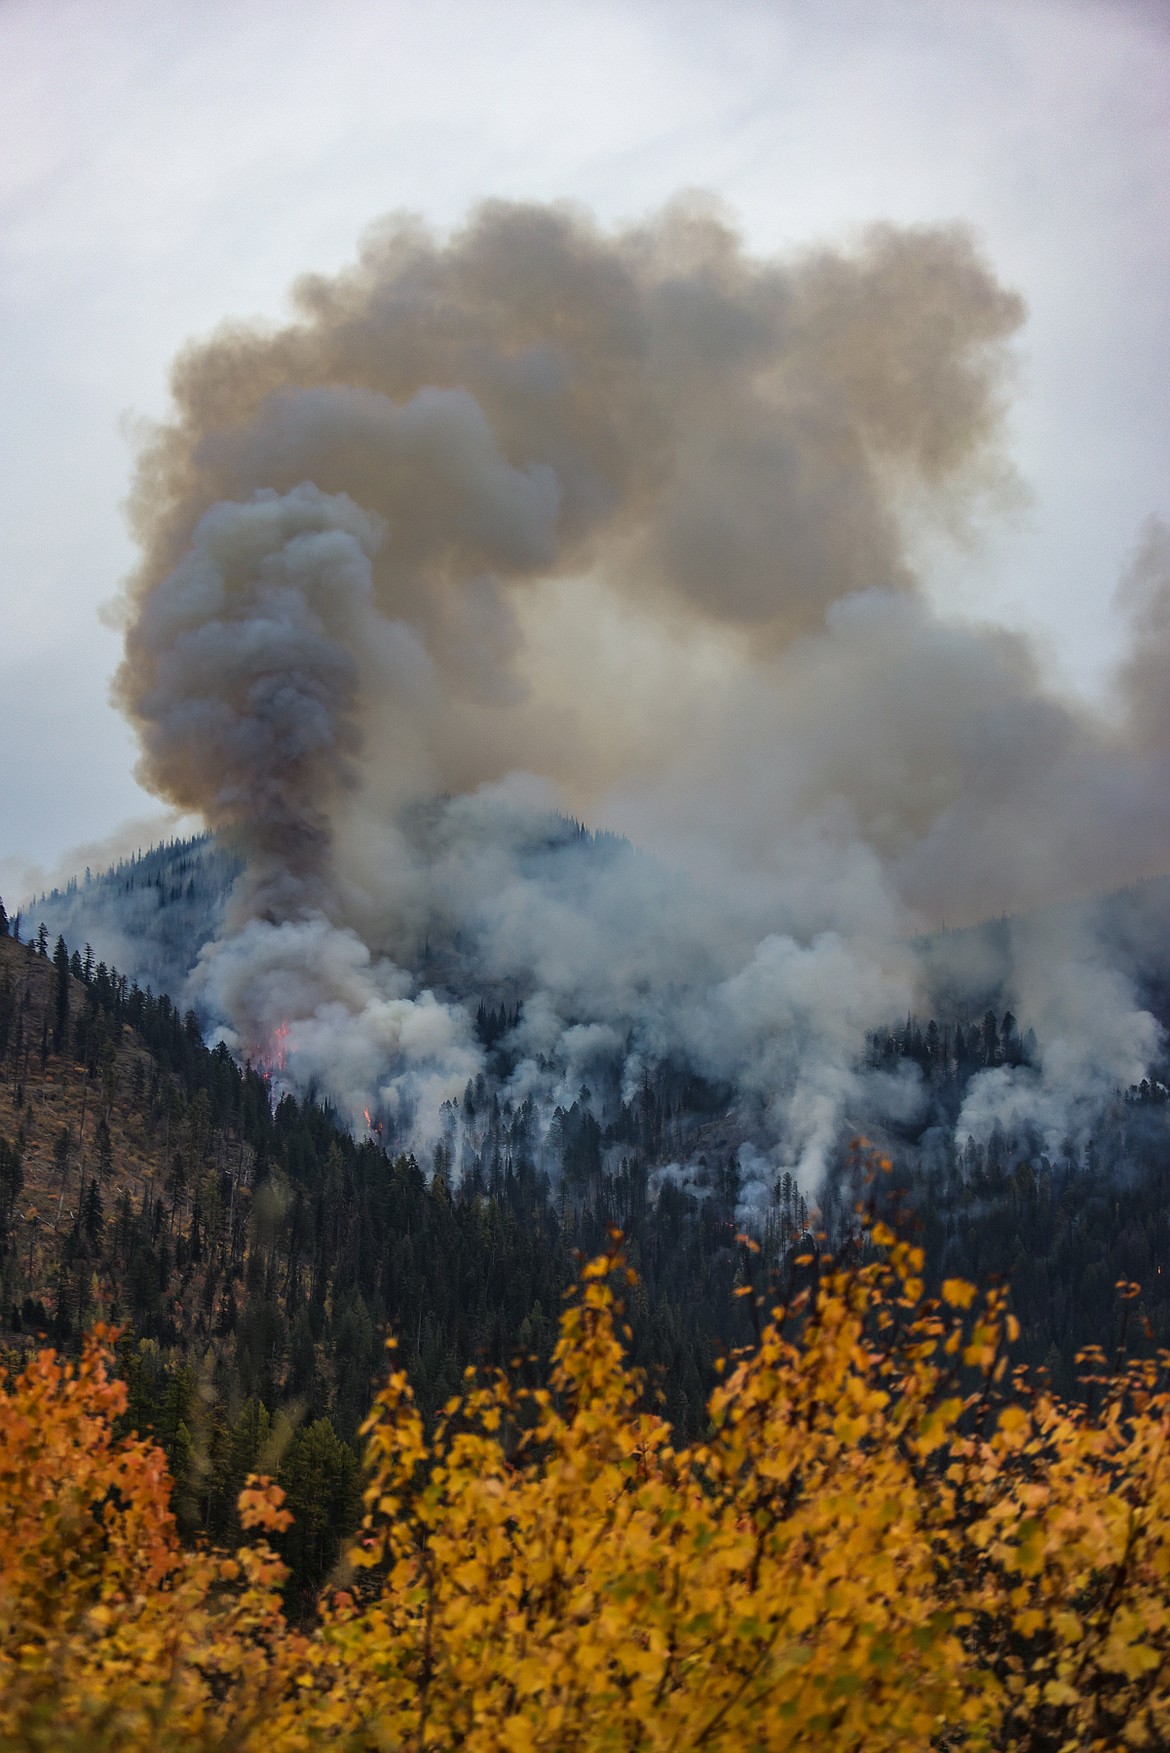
(625, 523)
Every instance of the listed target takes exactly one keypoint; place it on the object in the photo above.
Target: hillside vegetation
(254, 1258)
(885, 1540)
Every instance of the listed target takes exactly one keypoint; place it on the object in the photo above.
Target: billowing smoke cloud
(1097, 1037)
(582, 446)
(349, 1026)
(633, 514)
(249, 653)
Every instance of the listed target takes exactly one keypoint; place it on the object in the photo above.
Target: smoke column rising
(543, 515)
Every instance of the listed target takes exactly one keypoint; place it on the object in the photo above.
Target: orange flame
(272, 1059)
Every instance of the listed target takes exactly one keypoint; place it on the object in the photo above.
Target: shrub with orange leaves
(886, 1540)
(111, 1635)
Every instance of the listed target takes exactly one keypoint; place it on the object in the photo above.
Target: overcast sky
(164, 166)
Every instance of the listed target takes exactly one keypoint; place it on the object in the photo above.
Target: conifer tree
(105, 1149)
(61, 996)
(92, 1215)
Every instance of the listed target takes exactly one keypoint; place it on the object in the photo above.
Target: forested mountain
(148, 913)
(256, 1253)
(257, 1256)
(1084, 973)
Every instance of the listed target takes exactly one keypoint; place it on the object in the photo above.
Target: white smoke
(1095, 1037)
(309, 1003)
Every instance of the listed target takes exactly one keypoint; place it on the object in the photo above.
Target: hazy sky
(165, 166)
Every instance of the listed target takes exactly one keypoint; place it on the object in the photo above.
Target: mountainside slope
(255, 1256)
(147, 914)
(1077, 994)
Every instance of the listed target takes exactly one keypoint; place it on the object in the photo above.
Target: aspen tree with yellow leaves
(887, 1539)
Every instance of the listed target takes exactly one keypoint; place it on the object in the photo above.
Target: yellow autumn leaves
(886, 1541)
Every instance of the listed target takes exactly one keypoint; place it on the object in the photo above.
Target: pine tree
(990, 1039)
(61, 1015)
(62, 1145)
(92, 1215)
(105, 1149)
(11, 1180)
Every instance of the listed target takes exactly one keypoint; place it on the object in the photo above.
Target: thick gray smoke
(254, 642)
(623, 523)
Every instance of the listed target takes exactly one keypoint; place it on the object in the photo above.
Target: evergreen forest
(255, 1256)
